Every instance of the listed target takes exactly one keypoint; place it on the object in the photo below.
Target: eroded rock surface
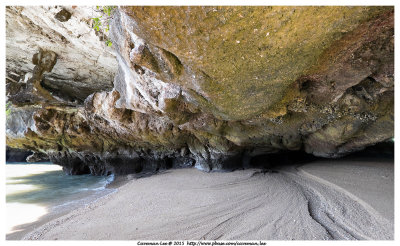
(84, 65)
(215, 87)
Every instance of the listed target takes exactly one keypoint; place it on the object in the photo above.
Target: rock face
(16, 155)
(216, 87)
(84, 64)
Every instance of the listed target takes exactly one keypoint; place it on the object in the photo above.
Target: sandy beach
(39, 193)
(328, 199)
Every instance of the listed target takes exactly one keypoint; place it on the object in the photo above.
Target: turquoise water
(35, 190)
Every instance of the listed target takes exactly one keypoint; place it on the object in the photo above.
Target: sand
(333, 199)
(39, 193)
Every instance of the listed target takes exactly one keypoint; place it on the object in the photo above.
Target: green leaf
(8, 108)
(97, 21)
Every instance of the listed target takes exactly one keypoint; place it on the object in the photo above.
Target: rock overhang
(215, 85)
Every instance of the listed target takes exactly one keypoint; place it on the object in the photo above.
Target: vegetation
(102, 23)
(8, 109)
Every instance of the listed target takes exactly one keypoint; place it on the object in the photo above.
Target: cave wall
(214, 87)
(84, 65)
(17, 155)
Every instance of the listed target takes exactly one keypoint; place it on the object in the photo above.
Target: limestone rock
(84, 65)
(16, 155)
(63, 15)
(216, 88)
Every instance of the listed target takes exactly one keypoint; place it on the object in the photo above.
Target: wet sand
(332, 199)
(39, 193)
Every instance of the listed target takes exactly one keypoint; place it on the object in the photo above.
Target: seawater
(36, 190)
